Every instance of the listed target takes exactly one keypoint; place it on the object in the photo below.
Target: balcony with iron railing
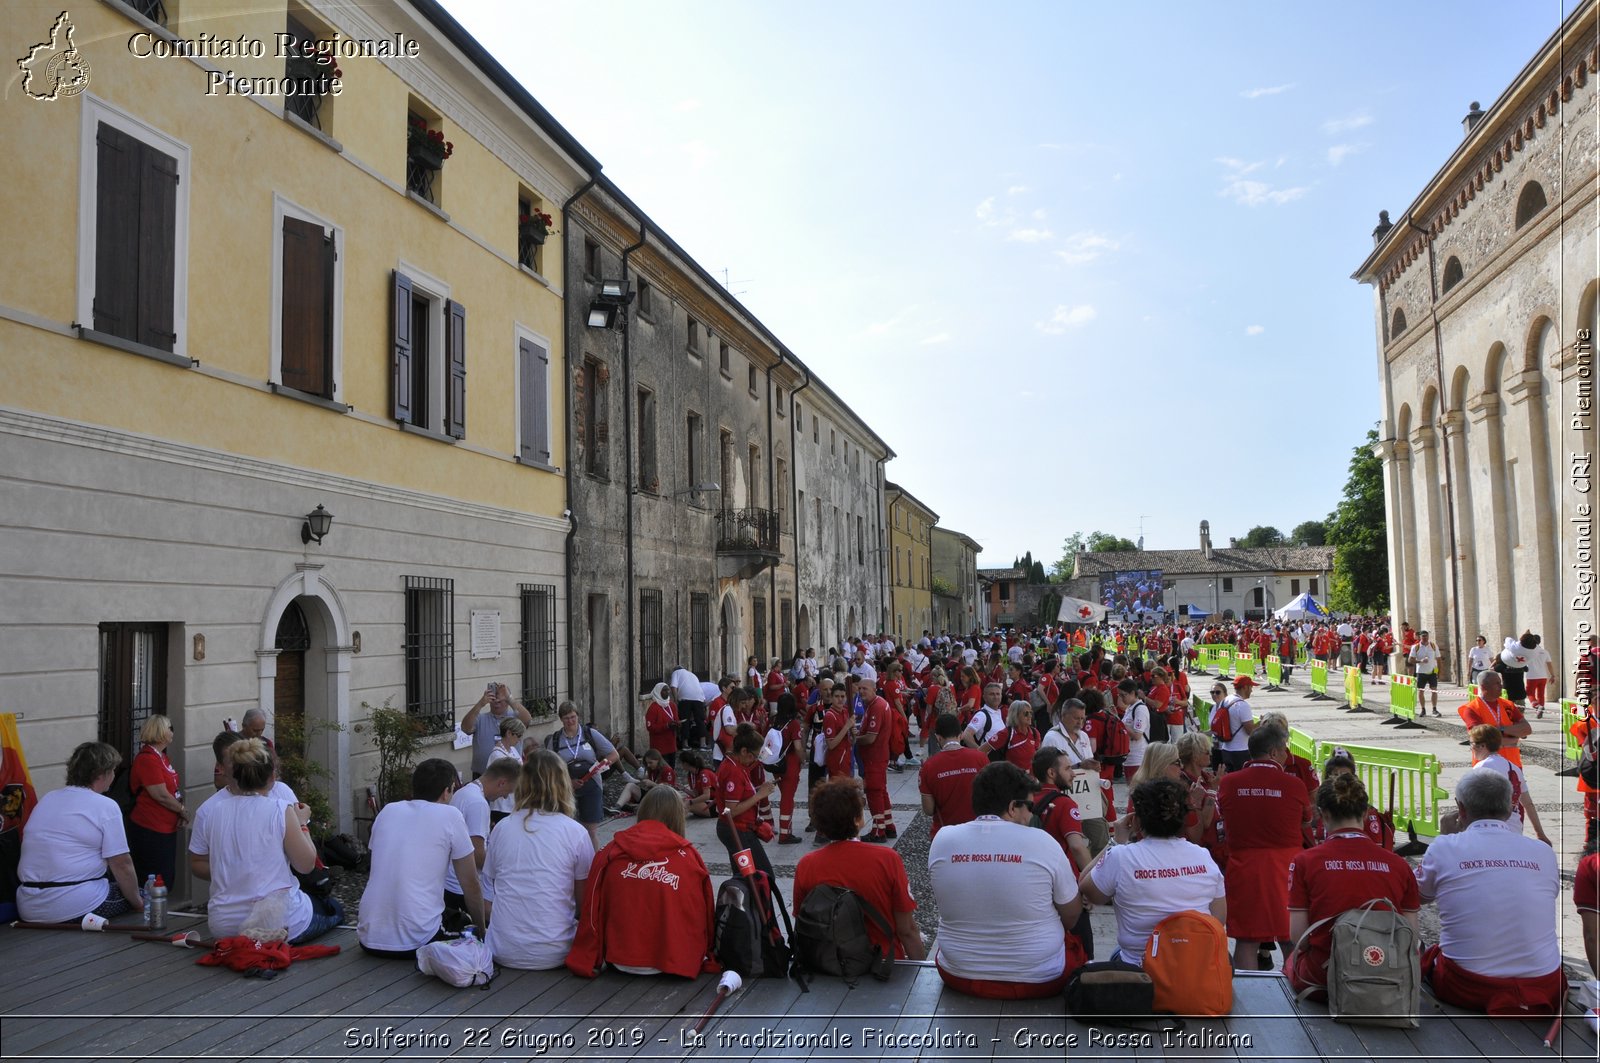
(748, 542)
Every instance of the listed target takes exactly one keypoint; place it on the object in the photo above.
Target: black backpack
(982, 735)
(121, 790)
(746, 936)
(1158, 725)
(830, 935)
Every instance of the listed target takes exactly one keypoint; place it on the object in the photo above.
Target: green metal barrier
(1403, 696)
(1352, 688)
(1302, 744)
(1570, 718)
(1214, 657)
(1244, 664)
(1274, 670)
(1319, 679)
(1417, 793)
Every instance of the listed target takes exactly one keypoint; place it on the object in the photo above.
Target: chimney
(1233, 544)
(1384, 225)
(1474, 116)
(1205, 539)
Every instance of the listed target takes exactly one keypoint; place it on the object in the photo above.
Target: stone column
(1461, 488)
(1537, 560)
(1435, 543)
(1497, 585)
(1407, 592)
(1386, 453)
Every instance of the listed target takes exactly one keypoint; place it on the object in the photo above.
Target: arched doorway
(292, 640)
(303, 672)
(849, 624)
(728, 632)
(805, 629)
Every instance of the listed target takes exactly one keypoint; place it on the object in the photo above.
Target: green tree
(1310, 533)
(1262, 535)
(1094, 542)
(1359, 532)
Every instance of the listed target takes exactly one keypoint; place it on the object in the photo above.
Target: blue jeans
(326, 913)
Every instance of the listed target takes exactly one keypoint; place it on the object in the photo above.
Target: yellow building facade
(241, 306)
(910, 562)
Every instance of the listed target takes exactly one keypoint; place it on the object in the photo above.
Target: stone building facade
(1484, 293)
(839, 518)
(955, 573)
(681, 469)
(909, 563)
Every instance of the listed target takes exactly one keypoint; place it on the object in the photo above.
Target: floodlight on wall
(606, 308)
(316, 525)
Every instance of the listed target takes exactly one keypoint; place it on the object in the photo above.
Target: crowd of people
(1020, 743)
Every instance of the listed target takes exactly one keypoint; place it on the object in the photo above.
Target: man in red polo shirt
(873, 746)
(1263, 807)
(838, 731)
(946, 778)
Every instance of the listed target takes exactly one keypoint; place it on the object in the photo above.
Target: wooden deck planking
(1263, 1010)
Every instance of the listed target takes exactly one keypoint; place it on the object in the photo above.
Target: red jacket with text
(647, 903)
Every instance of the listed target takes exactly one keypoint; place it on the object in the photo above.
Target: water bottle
(144, 896)
(158, 905)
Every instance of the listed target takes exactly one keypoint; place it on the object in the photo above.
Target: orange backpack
(1187, 960)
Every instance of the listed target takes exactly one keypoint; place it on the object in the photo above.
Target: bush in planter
(397, 737)
(306, 776)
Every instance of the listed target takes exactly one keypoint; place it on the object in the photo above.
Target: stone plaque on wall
(485, 634)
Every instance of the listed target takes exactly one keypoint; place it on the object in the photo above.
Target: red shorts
(1536, 689)
(1258, 893)
(1511, 998)
(989, 990)
(1298, 969)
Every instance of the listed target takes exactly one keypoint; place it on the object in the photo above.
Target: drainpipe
(794, 480)
(631, 486)
(772, 598)
(1443, 444)
(572, 518)
(883, 594)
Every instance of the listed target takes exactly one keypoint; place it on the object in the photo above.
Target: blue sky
(1029, 237)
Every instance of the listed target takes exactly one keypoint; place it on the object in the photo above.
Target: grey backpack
(1374, 977)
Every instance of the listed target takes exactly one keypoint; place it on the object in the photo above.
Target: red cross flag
(1078, 611)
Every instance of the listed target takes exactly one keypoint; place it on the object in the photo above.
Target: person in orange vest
(1497, 712)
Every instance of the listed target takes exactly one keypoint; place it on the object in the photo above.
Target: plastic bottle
(158, 905)
(144, 896)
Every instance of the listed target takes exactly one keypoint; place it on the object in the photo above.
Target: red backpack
(1222, 719)
(1114, 737)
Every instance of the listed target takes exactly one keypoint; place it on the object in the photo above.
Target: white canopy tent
(1302, 607)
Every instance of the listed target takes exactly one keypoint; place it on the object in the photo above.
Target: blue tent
(1301, 607)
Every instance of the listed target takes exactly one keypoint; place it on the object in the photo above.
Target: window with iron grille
(538, 647)
(430, 652)
(133, 682)
(650, 667)
(700, 634)
(758, 606)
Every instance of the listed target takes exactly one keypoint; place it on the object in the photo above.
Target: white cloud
(1254, 330)
(985, 211)
(1086, 247)
(1016, 190)
(934, 340)
(1066, 317)
(1031, 236)
(883, 328)
(1257, 93)
(1253, 193)
(1335, 126)
(684, 106)
(1339, 152)
(701, 154)
(1258, 193)
(1041, 214)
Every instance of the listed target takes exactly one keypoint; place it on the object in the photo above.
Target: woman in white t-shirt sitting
(1158, 875)
(1006, 896)
(534, 870)
(74, 838)
(244, 843)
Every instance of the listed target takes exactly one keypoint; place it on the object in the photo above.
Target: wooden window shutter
(455, 351)
(116, 253)
(307, 307)
(401, 346)
(534, 368)
(158, 244)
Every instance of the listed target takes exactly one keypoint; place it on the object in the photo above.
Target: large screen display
(1132, 593)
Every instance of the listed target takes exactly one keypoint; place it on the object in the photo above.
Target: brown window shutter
(158, 243)
(307, 316)
(401, 347)
(535, 371)
(455, 350)
(116, 252)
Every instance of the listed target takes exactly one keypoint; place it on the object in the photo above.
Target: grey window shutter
(401, 347)
(455, 349)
